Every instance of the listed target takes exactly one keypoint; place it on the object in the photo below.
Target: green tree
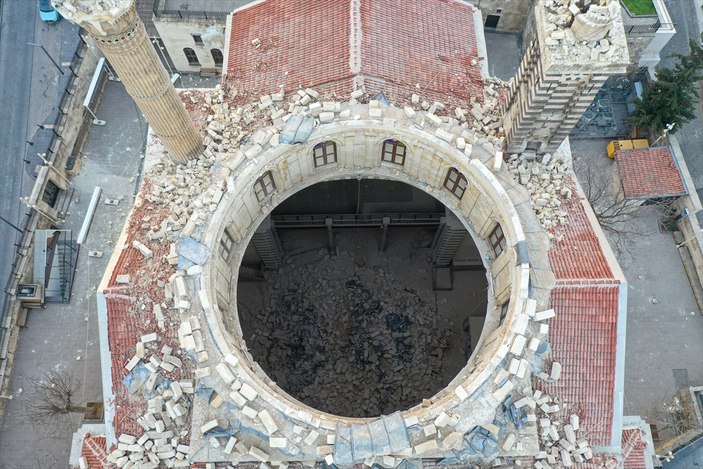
(670, 100)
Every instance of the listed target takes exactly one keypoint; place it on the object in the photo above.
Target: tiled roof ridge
(632, 440)
(355, 32)
(94, 447)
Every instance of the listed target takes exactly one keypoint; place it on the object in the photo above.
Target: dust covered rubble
(545, 178)
(590, 34)
(237, 133)
(332, 324)
(165, 429)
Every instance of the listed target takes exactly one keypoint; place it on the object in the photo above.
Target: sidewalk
(64, 337)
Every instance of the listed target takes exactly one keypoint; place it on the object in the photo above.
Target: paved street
(30, 89)
(685, 14)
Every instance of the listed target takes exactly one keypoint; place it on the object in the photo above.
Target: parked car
(47, 13)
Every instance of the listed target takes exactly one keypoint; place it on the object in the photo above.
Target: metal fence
(645, 29)
(187, 14)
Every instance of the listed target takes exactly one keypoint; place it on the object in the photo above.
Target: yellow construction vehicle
(627, 144)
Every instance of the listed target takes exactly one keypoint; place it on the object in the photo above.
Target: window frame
(191, 57)
(496, 238)
(454, 185)
(197, 39)
(264, 186)
(504, 308)
(392, 155)
(323, 159)
(226, 244)
(214, 59)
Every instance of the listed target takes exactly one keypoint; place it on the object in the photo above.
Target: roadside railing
(643, 29)
(187, 14)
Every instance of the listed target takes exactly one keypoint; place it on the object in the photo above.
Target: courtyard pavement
(664, 342)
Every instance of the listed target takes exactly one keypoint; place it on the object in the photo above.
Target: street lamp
(47, 54)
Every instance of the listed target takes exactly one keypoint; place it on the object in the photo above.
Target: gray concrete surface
(65, 336)
(504, 53)
(664, 327)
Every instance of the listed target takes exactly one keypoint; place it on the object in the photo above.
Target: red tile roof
(578, 257)
(94, 451)
(649, 172)
(390, 46)
(130, 308)
(583, 336)
(633, 449)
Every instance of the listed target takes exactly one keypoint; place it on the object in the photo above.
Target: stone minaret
(121, 36)
(574, 48)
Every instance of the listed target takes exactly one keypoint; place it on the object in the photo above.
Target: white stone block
(249, 412)
(326, 117)
(518, 345)
(248, 392)
(231, 360)
(501, 393)
(258, 454)
(207, 426)
(225, 373)
(509, 442)
(513, 366)
(230, 445)
(497, 161)
(312, 436)
(132, 363)
(238, 398)
(411, 421)
(268, 421)
(149, 337)
(444, 135)
(127, 438)
(278, 442)
(556, 371)
(426, 446)
(444, 419)
(461, 392)
(201, 373)
(575, 423)
(436, 120)
(544, 315)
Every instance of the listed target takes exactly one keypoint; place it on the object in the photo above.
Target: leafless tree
(51, 398)
(616, 214)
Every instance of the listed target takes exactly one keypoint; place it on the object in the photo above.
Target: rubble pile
(235, 133)
(581, 35)
(545, 179)
(166, 422)
(332, 325)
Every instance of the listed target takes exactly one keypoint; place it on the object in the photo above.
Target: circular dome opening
(361, 297)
